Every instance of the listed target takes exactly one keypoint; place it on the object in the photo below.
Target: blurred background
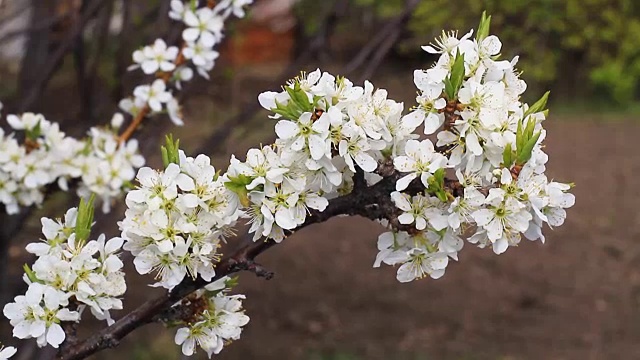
(575, 297)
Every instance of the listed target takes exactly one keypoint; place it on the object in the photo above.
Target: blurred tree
(580, 48)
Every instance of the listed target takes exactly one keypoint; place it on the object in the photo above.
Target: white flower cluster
(176, 220)
(327, 129)
(69, 274)
(203, 32)
(7, 352)
(218, 322)
(47, 156)
(38, 314)
(492, 141)
(333, 138)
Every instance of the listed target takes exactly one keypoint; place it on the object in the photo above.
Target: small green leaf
(525, 154)
(84, 219)
(519, 135)
(449, 89)
(457, 73)
(170, 152)
(538, 106)
(483, 28)
(299, 97)
(34, 134)
(165, 156)
(289, 111)
(528, 131)
(507, 156)
(231, 282)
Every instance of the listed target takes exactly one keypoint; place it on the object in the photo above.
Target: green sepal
(238, 185)
(538, 106)
(231, 282)
(170, 152)
(127, 184)
(431, 248)
(84, 219)
(31, 275)
(436, 185)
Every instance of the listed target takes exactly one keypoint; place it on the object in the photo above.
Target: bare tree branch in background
(33, 86)
(378, 47)
(37, 49)
(381, 44)
(90, 105)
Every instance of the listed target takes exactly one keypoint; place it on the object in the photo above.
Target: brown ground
(575, 297)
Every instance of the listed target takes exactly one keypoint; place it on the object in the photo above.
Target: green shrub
(580, 48)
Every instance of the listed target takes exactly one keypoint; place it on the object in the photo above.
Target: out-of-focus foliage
(580, 47)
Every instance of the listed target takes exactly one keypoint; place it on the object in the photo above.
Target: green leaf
(538, 106)
(457, 73)
(507, 156)
(525, 153)
(299, 97)
(170, 152)
(449, 89)
(165, 156)
(519, 135)
(483, 28)
(35, 133)
(528, 131)
(84, 219)
(436, 185)
(289, 111)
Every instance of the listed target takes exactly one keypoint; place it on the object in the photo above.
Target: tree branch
(372, 202)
